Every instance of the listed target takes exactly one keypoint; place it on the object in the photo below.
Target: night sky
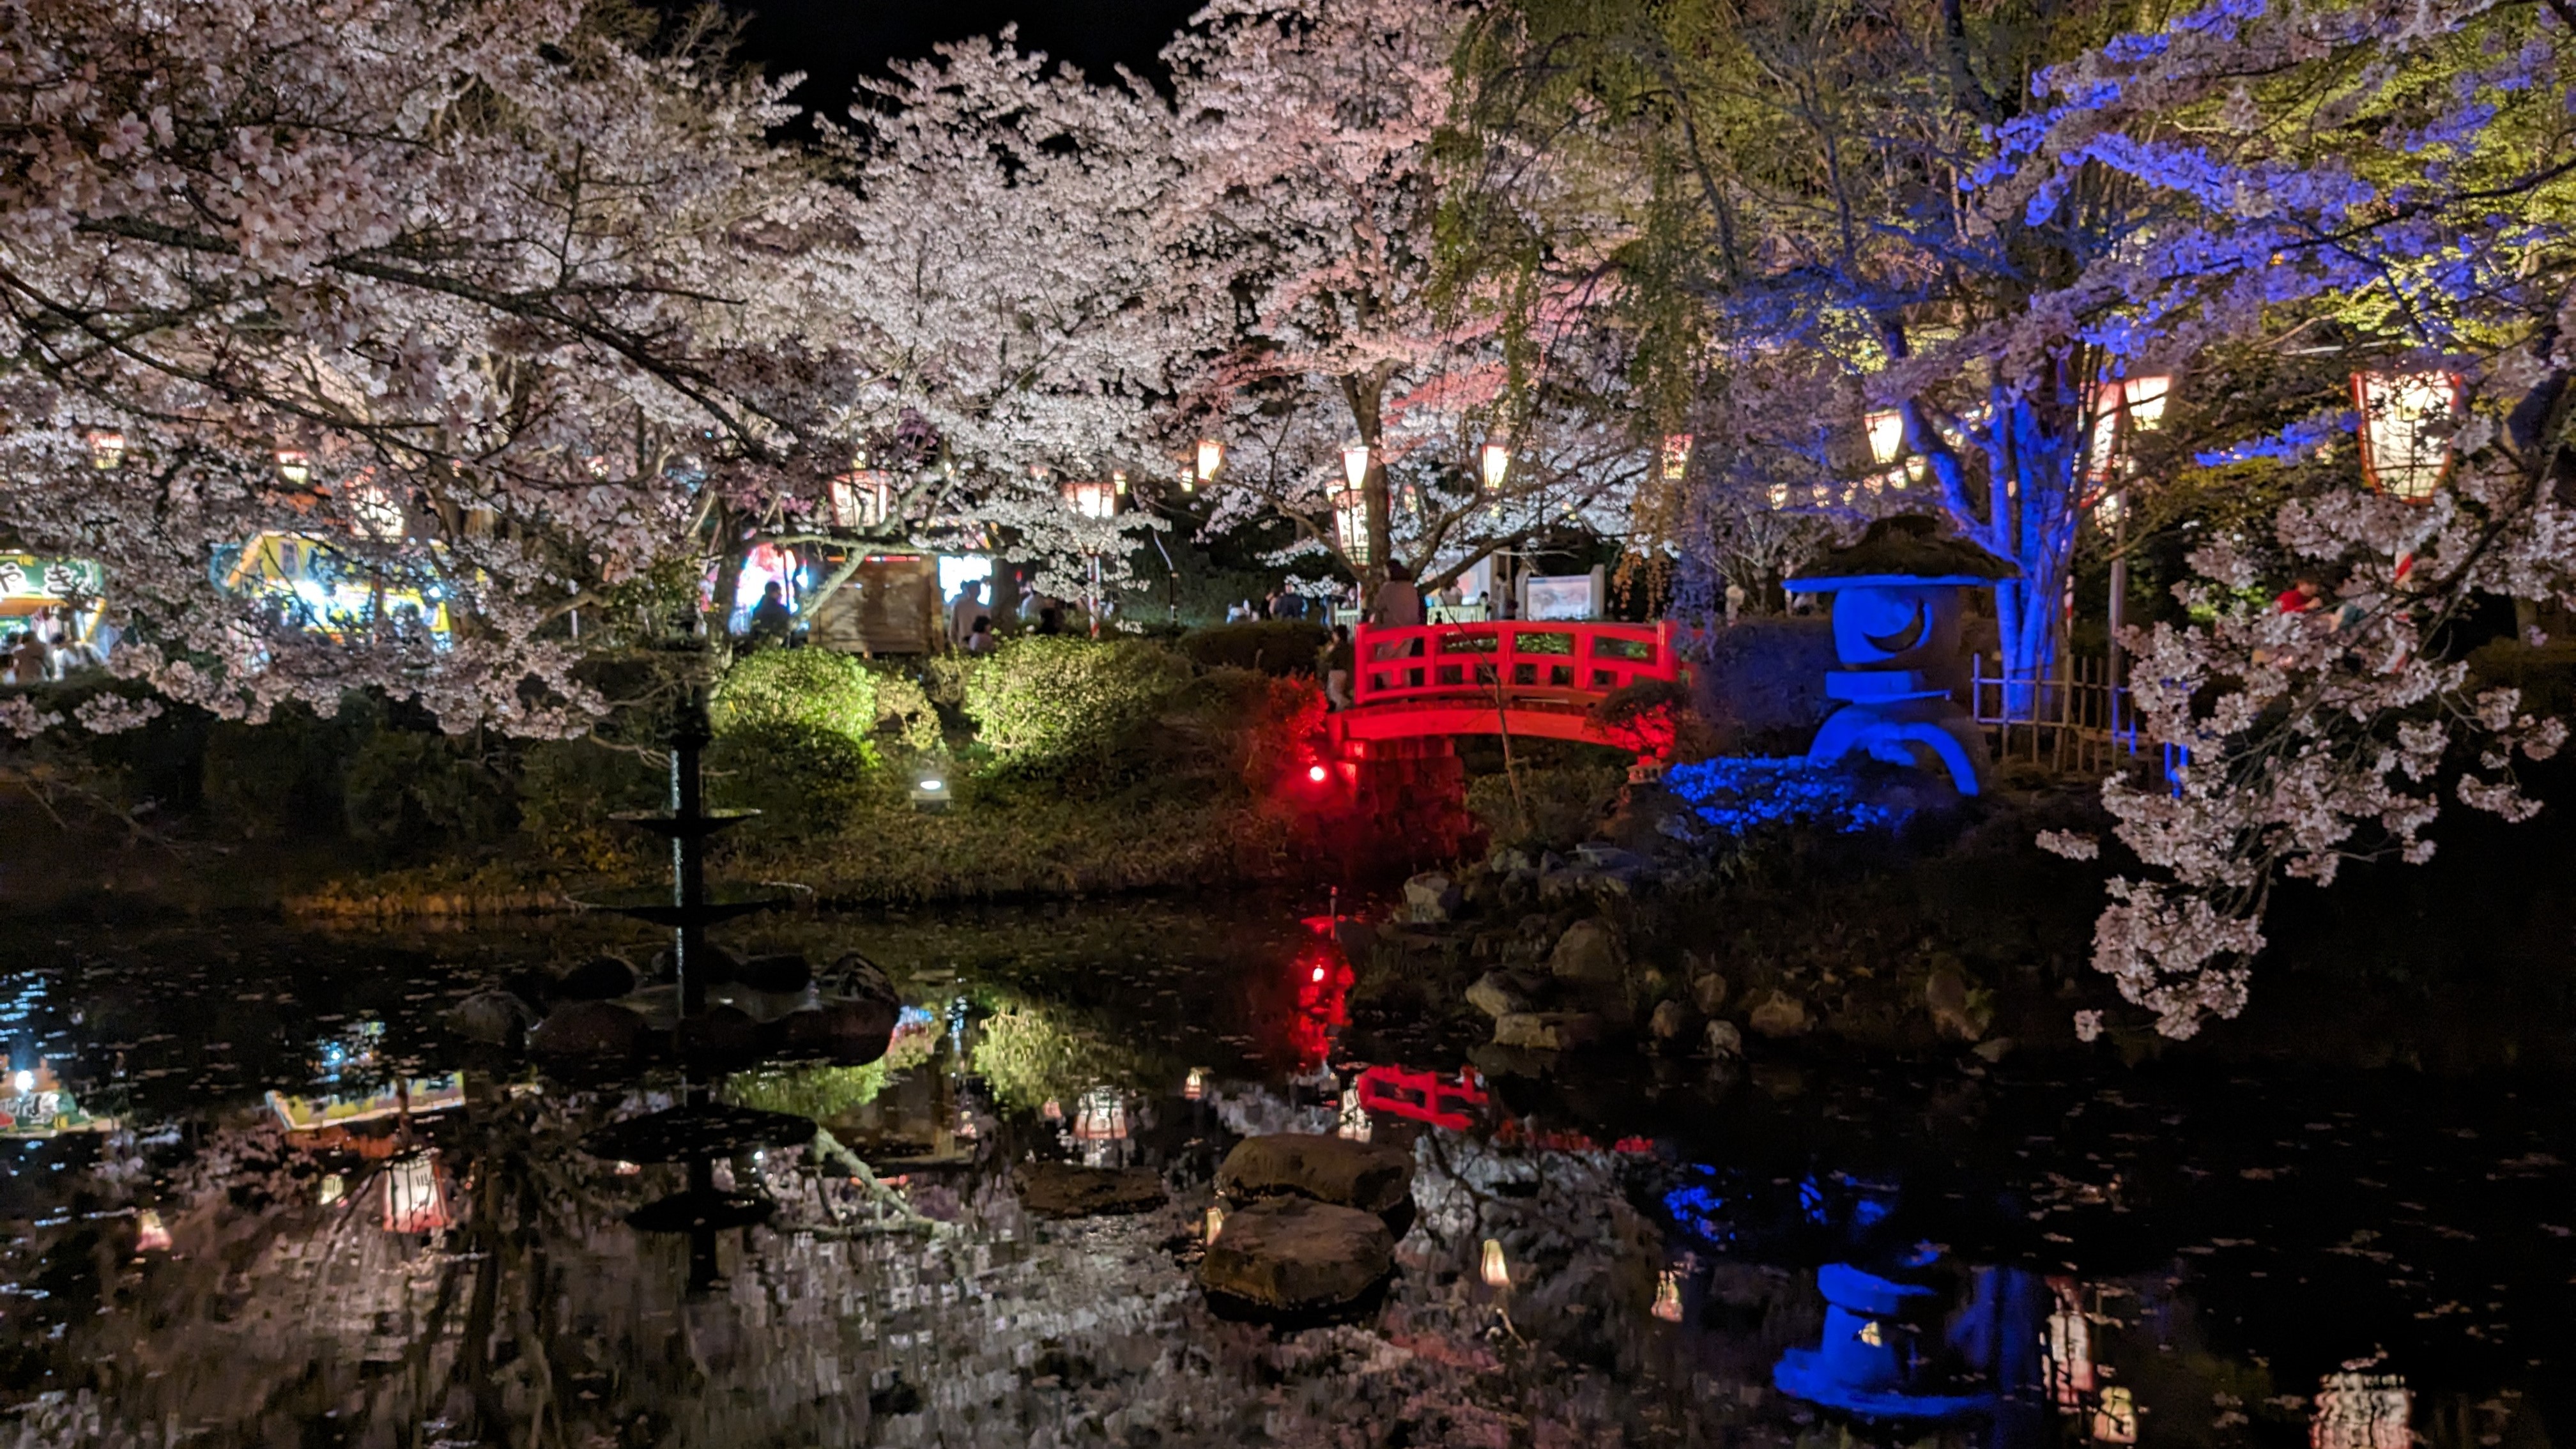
(833, 41)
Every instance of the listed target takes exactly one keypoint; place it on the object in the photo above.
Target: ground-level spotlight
(929, 791)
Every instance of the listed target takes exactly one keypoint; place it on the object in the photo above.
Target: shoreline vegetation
(1075, 769)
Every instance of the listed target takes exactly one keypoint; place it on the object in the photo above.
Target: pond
(259, 1195)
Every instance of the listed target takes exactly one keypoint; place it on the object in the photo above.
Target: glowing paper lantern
(862, 499)
(1497, 1273)
(151, 1234)
(1195, 1086)
(1102, 1117)
(1886, 435)
(294, 467)
(1211, 459)
(1668, 1295)
(1497, 464)
(2406, 422)
(1676, 457)
(1092, 498)
(106, 450)
(1350, 518)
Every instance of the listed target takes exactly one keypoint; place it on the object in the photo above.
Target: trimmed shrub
(570, 789)
(803, 691)
(280, 778)
(1047, 703)
(1273, 646)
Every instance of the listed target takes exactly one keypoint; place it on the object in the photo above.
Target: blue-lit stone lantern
(1898, 595)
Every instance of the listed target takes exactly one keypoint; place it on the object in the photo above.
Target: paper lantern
(1497, 465)
(1211, 459)
(2406, 423)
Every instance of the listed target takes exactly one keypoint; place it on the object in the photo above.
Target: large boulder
(1292, 1255)
(1431, 899)
(720, 1033)
(1497, 994)
(1724, 1039)
(1373, 1177)
(1065, 1190)
(494, 1018)
(1670, 1023)
(1780, 1015)
(860, 979)
(1548, 1031)
(852, 1033)
(1708, 993)
(1588, 953)
(589, 1031)
(1955, 1008)
(784, 972)
(601, 978)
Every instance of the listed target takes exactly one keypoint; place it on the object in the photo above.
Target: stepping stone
(1064, 1190)
(1373, 1177)
(1293, 1255)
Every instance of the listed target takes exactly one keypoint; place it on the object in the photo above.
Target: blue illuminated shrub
(1740, 795)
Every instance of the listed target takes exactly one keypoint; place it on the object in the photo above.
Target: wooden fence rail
(2074, 719)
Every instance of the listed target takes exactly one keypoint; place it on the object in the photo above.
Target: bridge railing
(1568, 662)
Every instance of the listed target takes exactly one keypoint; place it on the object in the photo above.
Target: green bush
(282, 777)
(1565, 804)
(412, 787)
(1273, 646)
(569, 790)
(798, 691)
(1046, 703)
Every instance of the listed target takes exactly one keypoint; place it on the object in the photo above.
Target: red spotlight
(1318, 774)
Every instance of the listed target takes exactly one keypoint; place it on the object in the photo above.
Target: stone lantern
(1898, 597)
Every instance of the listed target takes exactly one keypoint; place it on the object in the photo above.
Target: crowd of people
(45, 650)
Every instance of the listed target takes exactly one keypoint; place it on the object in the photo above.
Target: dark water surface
(1809, 1252)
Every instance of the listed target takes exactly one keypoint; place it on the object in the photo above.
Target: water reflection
(408, 1244)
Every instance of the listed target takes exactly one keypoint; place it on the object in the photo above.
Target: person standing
(1399, 603)
(770, 618)
(1339, 659)
(963, 612)
(31, 662)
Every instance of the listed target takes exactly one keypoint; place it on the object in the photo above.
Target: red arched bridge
(1518, 677)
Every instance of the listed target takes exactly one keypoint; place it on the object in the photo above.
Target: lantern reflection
(2362, 1411)
(416, 1196)
(1323, 978)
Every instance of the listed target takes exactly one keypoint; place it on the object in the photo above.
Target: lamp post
(1095, 499)
(2136, 404)
(2406, 420)
(1350, 506)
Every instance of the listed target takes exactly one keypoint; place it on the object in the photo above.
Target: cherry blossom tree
(2397, 177)
(485, 302)
(1302, 240)
(1005, 337)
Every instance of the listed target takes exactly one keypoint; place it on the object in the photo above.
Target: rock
(1291, 1255)
(1431, 899)
(1496, 994)
(1373, 1177)
(1588, 952)
(1512, 862)
(852, 1033)
(860, 979)
(1724, 1039)
(784, 972)
(1708, 993)
(721, 1032)
(1601, 855)
(589, 1030)
(1065, 1190)
(1954, 1007)
(494, 1018)
(601, 978)
(1995, 1050)
(713, 964)
(1547, 1031)
(1780, 1014)
(1671, 1021)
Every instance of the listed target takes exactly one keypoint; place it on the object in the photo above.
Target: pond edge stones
(1313, 1233)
